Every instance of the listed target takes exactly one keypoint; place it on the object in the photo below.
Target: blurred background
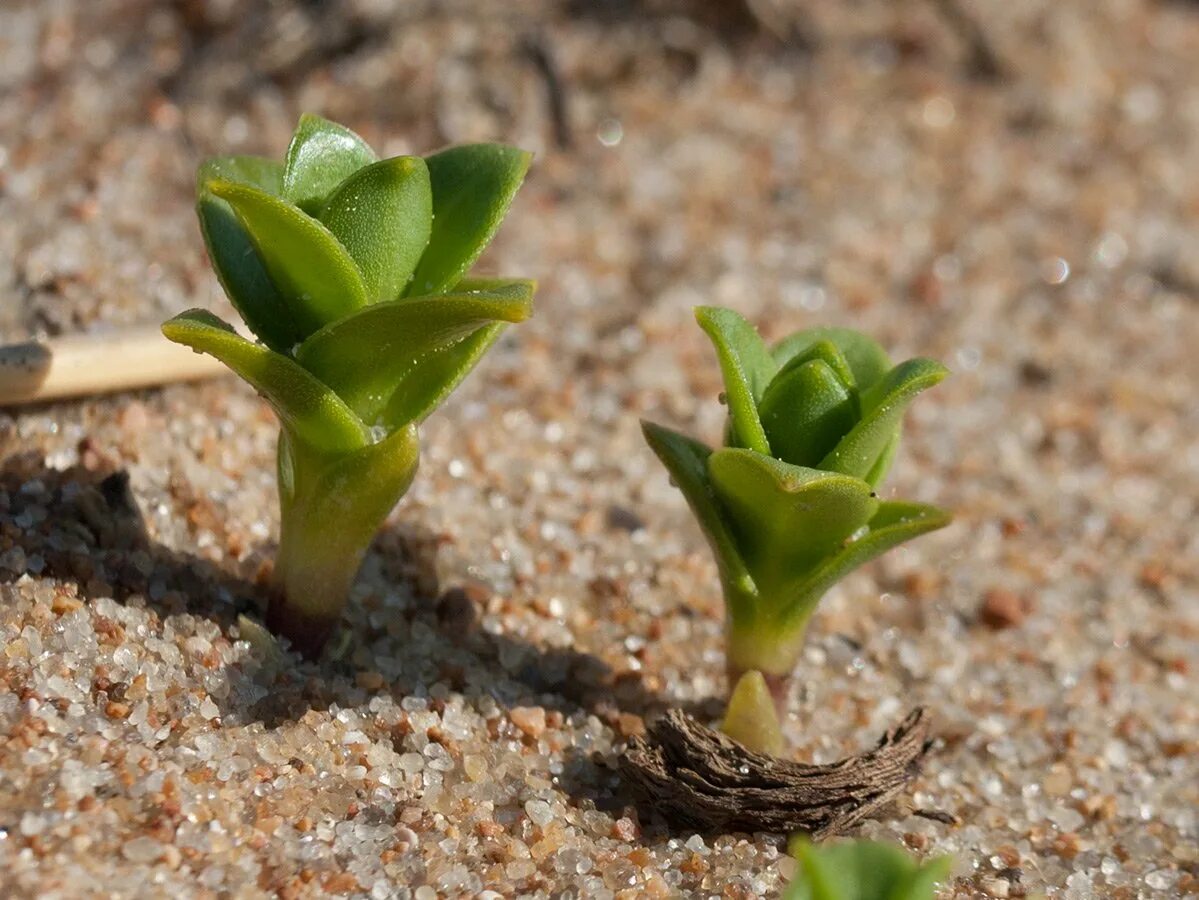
(1011, 187)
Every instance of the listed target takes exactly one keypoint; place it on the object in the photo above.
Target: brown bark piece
(700, 779)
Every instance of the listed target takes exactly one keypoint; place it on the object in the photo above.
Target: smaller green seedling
(352, 273)
(863, 870)
(789, 504)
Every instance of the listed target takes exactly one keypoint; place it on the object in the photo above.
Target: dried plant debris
(701, 779)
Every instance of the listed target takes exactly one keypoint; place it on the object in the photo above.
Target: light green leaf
(322, 155)
(382, 215)
(687, 462)
(867, 360)
(366, 356)
(747, 368)
(473, 186)
(894, 523)
(309, 267)
(786, 518)
(879, 470)
(862, 870)
(255, 171)
(309, 410)
(425, 387)
(233, 256)
(883, 405)
(805, 411)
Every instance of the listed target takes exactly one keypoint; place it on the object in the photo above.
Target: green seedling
(789, 504)
(863, 870)
(351, 272)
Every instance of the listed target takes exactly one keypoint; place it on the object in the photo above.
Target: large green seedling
(351, 271)
(789, 503)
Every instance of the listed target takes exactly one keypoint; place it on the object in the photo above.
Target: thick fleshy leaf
(747, 369)
(309, 267)
(805, 411)
(322, 155)
(365, 356)
(232, 254)
(382, 215)
(786, 518)
(862, 870)
(879, 470)
(867, 360)
(308, 410)
(883, 405)
(687, 462)
(751, 717)
(425, 387)
(473, 186)
(255, 171)
(894, 523)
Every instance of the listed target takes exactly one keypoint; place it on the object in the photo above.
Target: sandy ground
(1026, 209)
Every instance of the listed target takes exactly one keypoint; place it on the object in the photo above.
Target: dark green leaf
(382, 215)
(747, 369)
(233, 256)
(242, 275)
(473, 186)
(805, 411)
(867, 360)
(367, 355)
(894, 523)
(309, 410)
(687, 462)
(883, 405)
(309, 267)
(786, 518)
(322, 155)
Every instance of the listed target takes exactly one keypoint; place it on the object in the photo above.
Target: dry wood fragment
(78, 365)
(700, 779)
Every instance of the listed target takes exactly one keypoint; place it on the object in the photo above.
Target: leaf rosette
(353, 275)
(789, 504)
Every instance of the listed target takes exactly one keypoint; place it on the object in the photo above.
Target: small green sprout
(351, 271)
(789, 504)
(863, 870)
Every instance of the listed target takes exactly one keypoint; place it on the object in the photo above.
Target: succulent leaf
(309, 267)
(883, 406)
(322, 155)
(425, 387)
(473, 186)
(806, 410)
(867, 360)
(396, 337)
(747, 368)
(255, 171)
(687, 462)
(863, 870)
(382, 215)
(309, 410)
(892, 524)
(786, 518)
(235, 259)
